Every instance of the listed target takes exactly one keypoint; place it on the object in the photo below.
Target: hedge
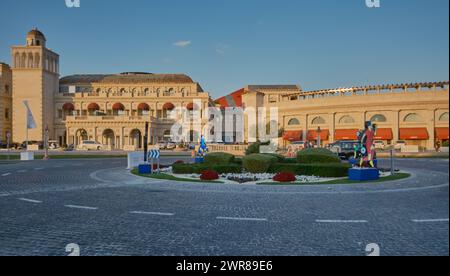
(199, 168)
(320, 170)
(320, 155)
(221, 158)
(279, 158)
(258, 163)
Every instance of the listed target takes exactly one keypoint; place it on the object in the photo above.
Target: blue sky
(227, 44)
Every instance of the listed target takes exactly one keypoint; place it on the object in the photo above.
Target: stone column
(431, 129)
(396, 126)
(332, 127)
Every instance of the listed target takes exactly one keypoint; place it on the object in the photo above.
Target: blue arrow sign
(154, 154)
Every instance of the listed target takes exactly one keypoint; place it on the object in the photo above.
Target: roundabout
(106, 210)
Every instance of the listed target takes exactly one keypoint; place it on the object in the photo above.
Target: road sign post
(152, 155)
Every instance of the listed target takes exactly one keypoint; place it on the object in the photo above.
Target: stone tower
(35, 77)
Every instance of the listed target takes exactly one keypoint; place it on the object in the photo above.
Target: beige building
(35, 77)
(416, 113)
(113, 109)
(5, 102)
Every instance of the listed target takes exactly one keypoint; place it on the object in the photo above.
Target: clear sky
(227, 44)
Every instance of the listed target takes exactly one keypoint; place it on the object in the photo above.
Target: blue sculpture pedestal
(355, 162)
(145, 169)
(364, 174)
(199, 160)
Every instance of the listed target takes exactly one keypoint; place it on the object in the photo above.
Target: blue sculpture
(202, 150)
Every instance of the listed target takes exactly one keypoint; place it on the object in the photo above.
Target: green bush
(320, 170)
(279, 158)
(445, 144)
(320, 155)
(258, 163)
(221, 158)
(237, 161)
(199, 168)
(255, 148)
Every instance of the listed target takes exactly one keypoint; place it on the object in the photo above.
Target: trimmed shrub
(285, 177)
(219, 158)
(209, 175)
(178, 162)
(238, 161)
(309, 156)
(199, 168)
(279, 158)
(319, 169)
(258, 163)
(445, 144)
(255, 148)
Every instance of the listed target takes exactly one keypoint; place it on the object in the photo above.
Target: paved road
(94, 203)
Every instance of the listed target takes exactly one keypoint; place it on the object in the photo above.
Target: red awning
(442, 133)
(191, 106)
(293, 136)
(118, 106)
(168, 106)
(346, 134)
(143, 106)
(313, 135)
(384, 134)
(93, 106)
(414, 134)
(69, 106)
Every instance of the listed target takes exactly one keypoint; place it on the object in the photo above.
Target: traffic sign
(154, 154)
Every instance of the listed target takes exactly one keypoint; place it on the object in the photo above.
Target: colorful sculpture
(365, 149)
(202, 150)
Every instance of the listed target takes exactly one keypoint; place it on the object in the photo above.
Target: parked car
(379, 145)
(344, 149)
(53, 145)
(90, 145)
(171, 146)
(191, 146)
(3, 145)
(399, 145)
(299, 145)
(162, 145)
(31, 143)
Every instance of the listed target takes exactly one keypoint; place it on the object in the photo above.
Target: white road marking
(29, 200)
(22, 171)
(241, 219)
(340, 221)
(6, 174)
(3, 195)
(152, 213)
(429, 220)
(38, 169)
(80, 207)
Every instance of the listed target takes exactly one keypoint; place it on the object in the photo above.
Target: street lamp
(319, 131)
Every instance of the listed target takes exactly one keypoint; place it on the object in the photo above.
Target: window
(413, 118)
(444, 117)
(318, 121)
(60, 113)
(7, 89)
(379, 118)
(347, 120)
(293, 122)
(7, 113)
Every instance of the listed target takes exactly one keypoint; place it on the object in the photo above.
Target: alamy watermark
(373, 3)
(73, 3)
(77, 3)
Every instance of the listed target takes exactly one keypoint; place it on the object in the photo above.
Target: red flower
(209, 175)
(285, 177)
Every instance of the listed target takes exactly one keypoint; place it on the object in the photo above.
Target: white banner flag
(31, 123)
